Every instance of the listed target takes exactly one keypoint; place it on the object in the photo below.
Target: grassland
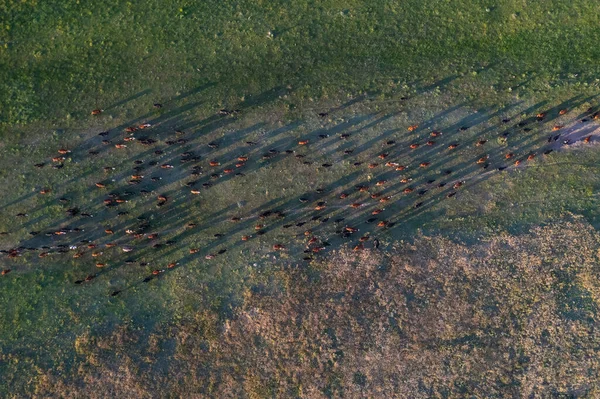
(469, 69)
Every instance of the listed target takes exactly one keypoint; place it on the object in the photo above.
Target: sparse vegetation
(433, 318)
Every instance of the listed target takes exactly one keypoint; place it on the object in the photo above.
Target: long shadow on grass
(359, 197)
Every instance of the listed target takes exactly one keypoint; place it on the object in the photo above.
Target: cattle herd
(372, 198)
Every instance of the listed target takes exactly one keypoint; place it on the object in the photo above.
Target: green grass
(62, 59)
(376, 67)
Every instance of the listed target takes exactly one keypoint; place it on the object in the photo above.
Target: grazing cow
(359, 247)
(381, 182)
(63, 151)
(245, 238)
(100, 265)
(509, 155)
(343, 195)
(120, 146)
(562, 111)
(129, 139)
(405, 180)
(109, 231)
(100, 185)
(458, 184)
(587, 139)
(408, 190)
(5, 272)
(414, 146)
(424, 164)
(58, 159)
(97, 111)
(382, 223)
(482, 159)
(530, 157)
(412, 128)
(303, 142)
(392, 164)
(517, 162)
(383, 156)
(452, 146)
(376, 211)
(45, 191)
(278, 247)
(131, 129)
(375, 195)
(373, 165)
(214, 163)
(400, 168)
(557, 127)
(430, 142)
(435, 134)
(194, 250)
(356, 205)
(480, 143)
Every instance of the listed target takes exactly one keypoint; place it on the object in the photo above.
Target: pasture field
(222, 233)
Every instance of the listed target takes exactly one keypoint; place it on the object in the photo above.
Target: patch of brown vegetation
(514, 316)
